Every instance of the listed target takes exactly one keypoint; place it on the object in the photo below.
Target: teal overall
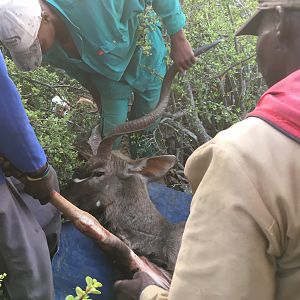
(106, 34)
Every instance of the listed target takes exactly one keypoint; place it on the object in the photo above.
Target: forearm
(174, 21)
(178, 37)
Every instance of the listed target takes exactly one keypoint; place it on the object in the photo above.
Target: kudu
(116, 186)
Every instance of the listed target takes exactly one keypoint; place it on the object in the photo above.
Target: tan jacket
(242, 238)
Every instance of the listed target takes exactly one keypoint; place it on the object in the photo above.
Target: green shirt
(105, 34)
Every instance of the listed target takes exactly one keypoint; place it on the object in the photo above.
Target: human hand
(181, 51)
(41, 185)
(132, 289)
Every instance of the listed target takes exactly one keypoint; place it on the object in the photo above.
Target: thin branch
(197, 125)
(50, 86)
(175, 125)
(176, 115)
(233, 66)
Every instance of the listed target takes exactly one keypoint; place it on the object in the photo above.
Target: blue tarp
(78, 256)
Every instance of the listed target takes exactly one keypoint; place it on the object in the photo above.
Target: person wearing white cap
(103, 44)
(242, 238)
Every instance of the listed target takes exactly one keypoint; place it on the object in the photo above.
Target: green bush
(225, 82)
(59, 135)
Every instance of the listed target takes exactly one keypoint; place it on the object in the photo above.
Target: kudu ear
(153, 167)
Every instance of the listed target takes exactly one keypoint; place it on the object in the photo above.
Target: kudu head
(109, 176)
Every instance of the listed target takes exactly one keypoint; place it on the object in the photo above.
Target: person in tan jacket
(242, 238)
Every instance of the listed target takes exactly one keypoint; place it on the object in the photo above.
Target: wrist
(39, 174)
(178, 35)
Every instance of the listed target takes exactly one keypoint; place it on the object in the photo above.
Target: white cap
(20, 21)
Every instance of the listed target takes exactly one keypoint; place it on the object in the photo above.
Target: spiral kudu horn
(105, 147)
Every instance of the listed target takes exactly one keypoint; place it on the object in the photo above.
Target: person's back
(248, 216)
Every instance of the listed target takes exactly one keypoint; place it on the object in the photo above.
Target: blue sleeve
(171, 14)
(18, 142)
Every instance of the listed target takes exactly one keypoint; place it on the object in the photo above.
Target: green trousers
(115, 99)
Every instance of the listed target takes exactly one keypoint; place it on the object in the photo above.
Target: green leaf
(94, 291)
(70, 297)
(98, 284)
(79, 291)
(89, 281)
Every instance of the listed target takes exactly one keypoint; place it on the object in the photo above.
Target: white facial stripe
(77, 180)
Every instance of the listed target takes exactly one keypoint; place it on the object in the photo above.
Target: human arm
(18, 142)
(174, 20)
(229, 244)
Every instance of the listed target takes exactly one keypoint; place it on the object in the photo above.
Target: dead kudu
(116, 187)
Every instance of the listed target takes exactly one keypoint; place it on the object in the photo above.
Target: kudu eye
(98, 173)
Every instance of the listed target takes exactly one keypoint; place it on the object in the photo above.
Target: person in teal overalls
(108, 47)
